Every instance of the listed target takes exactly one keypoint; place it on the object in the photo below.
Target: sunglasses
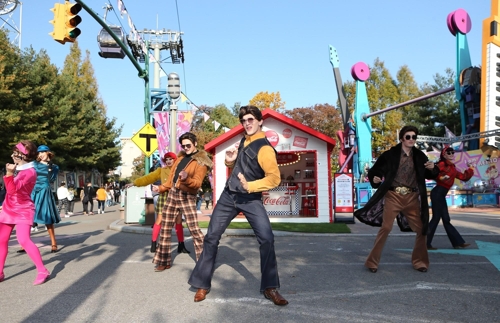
(249, 120)
(408, 137)
(186, 146)
(449, 152)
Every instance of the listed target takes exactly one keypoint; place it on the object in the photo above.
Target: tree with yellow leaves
(263, 100)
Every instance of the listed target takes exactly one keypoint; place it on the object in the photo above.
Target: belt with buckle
(403, 190)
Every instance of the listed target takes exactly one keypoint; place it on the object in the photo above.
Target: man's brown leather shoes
(162, 268)
(201, 294)
(463, 245)
(272, 294)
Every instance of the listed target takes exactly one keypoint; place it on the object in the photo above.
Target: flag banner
(184, 120)
(205, 117)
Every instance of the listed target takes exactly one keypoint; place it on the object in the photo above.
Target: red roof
(268, 113)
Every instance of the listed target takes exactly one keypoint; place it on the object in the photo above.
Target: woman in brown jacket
(185, 180)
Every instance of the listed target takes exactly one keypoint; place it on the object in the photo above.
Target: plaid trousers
(162, 199)
(185, 203)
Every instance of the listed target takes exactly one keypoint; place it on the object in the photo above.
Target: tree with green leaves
(79, 124)
(433, 115)
(205, 130)
(59, 109)
(314, 117)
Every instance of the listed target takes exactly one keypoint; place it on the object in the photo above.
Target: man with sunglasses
(254, 170)
(444, 181)
(399, 176)
(183, 183)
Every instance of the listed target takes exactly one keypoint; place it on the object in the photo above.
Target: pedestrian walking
(88, 197)
(198, 200)
(207, 197)
(101, 199)
(399, 176)
(71, 199)
(254, 170)
(117, 193)
(18, 209)
(62, 199)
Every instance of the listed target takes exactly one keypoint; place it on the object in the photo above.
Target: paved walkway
(102, 275)
(469, 221)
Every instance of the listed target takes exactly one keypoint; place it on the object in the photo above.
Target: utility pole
(167, 40)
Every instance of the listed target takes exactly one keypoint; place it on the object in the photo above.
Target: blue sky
(235, 49)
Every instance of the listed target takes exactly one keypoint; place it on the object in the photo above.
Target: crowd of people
(398, 175)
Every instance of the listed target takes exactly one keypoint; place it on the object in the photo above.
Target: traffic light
(58, 22)
(65, 22)
(72, 20)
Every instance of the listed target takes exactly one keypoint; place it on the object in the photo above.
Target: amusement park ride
(477, 91)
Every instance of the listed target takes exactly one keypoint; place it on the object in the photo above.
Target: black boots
(182, 248)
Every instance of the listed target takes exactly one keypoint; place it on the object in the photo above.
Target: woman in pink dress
(18, 209)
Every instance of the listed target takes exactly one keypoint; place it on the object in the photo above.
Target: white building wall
(129, 152)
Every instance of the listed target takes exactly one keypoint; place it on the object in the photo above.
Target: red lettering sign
(282, 200)
(287, 133)
(273, 137)
(300, 142)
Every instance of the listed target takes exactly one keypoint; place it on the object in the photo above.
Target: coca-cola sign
(300, 142)
(277, 200)
(287, 133)
(273, 137)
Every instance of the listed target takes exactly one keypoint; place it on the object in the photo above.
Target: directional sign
(145, 139)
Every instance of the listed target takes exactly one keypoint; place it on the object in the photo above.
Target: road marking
(490, 250)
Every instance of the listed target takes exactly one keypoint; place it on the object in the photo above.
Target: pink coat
(18, 207)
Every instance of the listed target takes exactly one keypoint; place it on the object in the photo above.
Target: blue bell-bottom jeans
(440, 212)
(228, 206)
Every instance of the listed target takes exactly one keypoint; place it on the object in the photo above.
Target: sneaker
(199, 212)
(67, 216)
(70, 213)
(34, 229)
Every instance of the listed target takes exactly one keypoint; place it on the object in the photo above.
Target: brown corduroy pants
(409, 205)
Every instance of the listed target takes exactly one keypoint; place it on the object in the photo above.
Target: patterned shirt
(406, 172)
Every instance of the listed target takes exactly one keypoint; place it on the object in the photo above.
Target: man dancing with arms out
(255, 169)
(399, 176)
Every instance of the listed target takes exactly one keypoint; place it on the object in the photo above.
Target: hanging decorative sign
(287, 158)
